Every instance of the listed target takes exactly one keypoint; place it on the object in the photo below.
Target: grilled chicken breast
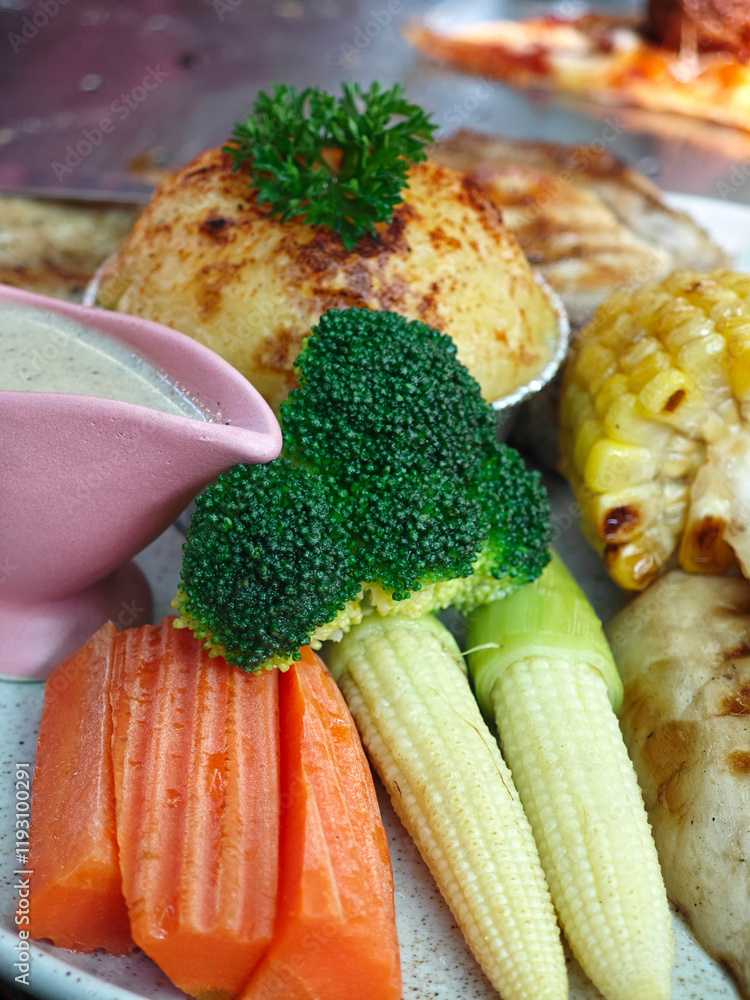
(683, 649)
(206, 259)
(587, 222)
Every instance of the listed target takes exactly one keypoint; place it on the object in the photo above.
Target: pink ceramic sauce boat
(86, 483)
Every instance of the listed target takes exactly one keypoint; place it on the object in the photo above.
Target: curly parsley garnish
(337, 163)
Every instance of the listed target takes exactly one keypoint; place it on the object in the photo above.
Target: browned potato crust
(206, 259)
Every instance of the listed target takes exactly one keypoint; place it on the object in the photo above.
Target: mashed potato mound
(206, 259)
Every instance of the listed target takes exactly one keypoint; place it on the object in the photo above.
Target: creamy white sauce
(46, 352)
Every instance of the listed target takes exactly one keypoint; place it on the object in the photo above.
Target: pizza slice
(610, 59)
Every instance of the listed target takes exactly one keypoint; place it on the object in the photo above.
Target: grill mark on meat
(739, 652)
(582, 217)
(732, 967)
(738, 703)
(739, 761)
(666, 753)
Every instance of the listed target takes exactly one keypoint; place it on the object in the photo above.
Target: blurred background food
(587, 222)
(54, 247)
(683, 56)
(707, 25)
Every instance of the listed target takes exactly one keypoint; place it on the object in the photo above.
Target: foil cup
(507, 407)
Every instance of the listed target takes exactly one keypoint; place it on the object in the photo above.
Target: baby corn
(405, 682)
(654, 426)
(547, 676)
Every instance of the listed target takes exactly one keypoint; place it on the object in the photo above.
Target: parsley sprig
(338, 163)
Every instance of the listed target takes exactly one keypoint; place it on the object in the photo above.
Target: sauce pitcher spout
(88, 480)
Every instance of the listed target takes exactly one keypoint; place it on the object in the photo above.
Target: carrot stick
(196, 765)
(335, 935)
(76, 897)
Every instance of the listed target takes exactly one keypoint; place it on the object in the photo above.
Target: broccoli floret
(416, 528)
(378, 394)
(392, 494)
(267, 564)
(516, 504)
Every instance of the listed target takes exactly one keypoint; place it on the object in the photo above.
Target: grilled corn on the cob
(405, 682)
(543, 669)
(655, 431)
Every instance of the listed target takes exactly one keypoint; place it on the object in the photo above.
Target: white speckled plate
(437, 965)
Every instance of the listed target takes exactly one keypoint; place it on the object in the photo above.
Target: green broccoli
(267, 545)
(392, 493)
(392, 396)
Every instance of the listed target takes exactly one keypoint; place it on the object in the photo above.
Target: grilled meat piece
(702, 25)
(683, 649)
(587, 222)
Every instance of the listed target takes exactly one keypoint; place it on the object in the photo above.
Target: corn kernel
(575, 405)
(612, 389)
(703, 358)
(595, 364)
(637, 353)
(666, 392)
(626, 422)
(738, 361)
(589, 432)
(648, 369)
(703, 548)
(621, 514)
(691, 328)
(632, 566)
(611, 466)
(739, 283)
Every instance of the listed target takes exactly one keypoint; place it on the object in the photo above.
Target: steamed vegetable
(196, 759)
(392, 492)
(654, 426)
(405, 682)
(76, 897)
(543, 670)
(230, 823)
(335, 932)
(429, 511)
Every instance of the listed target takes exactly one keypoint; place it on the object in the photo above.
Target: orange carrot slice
(196, 765)
(335, 935)
(76, 897)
